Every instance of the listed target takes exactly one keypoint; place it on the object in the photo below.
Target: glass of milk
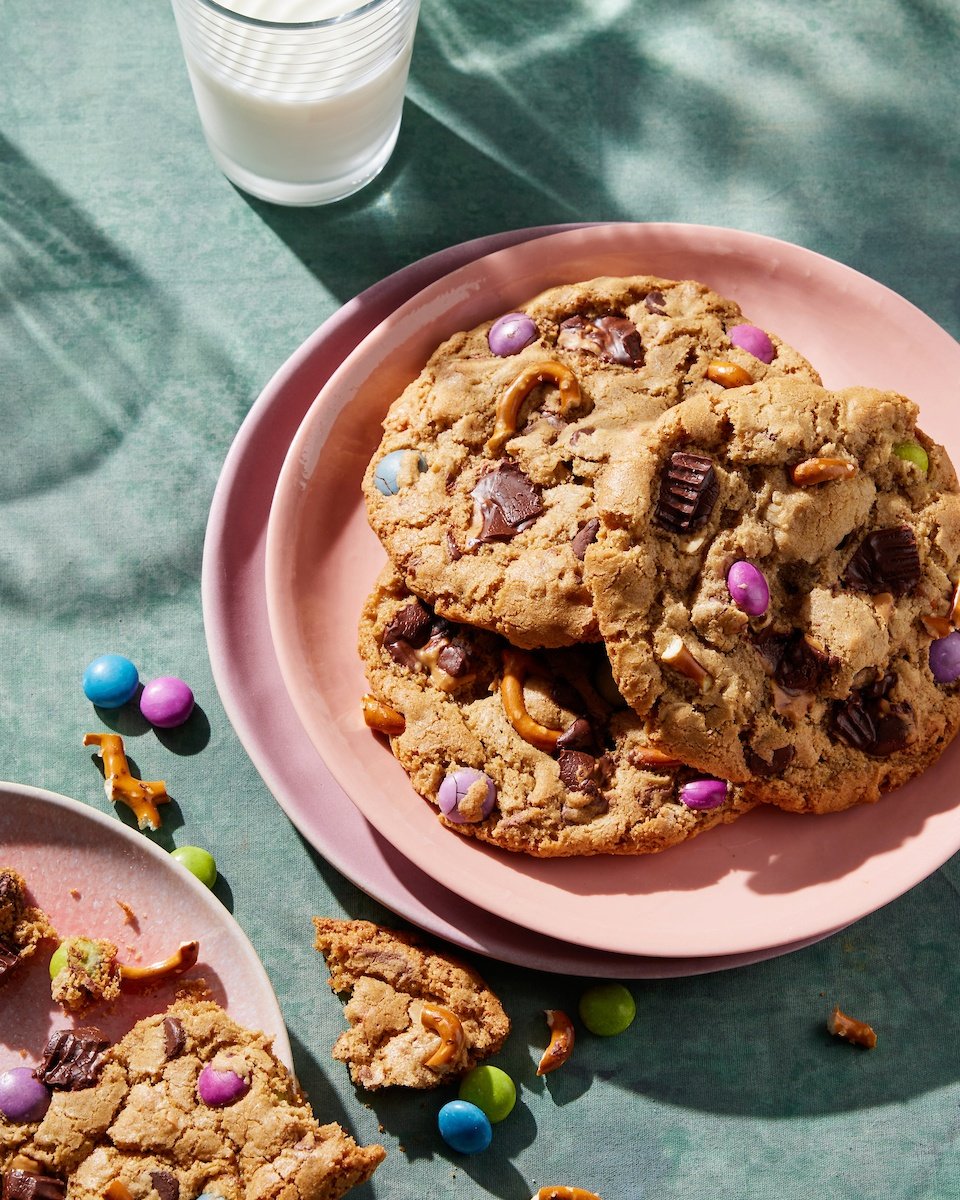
(300, 100)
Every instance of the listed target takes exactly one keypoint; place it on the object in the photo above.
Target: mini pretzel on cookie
(508, 406)
(516, 667)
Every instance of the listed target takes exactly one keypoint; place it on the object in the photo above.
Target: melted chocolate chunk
(578, 772)
(27, 1185)
(174, 1039)
(508, 502)
(579, 735)
(794, 662)
(780, 759)
(455, 660)
(72, 1059)
(585, 536)
(411, 625)
(688, 491)
(453, 550)
(887, 560)
(613, 339)
(8, 959)
(654, 301)
(166, 1186)
(867, 721)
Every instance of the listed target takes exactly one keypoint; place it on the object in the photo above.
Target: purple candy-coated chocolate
(509, 334)
(748, 588)
(945, 658)
(704, 793)
(455, 787)
(754, 341)
(166, 701)
(220, 1088)
(23, 1097)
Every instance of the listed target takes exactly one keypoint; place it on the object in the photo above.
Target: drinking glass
(299, 100)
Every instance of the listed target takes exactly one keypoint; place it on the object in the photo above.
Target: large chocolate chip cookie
(776, 579)
(536, 753)
(482, 487)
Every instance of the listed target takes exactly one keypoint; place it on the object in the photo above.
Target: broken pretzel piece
(138, 794)
(182, 959)
(565, 1193)
(561, 1041)
(857, 1032)
(446, 1025)
(381, 717)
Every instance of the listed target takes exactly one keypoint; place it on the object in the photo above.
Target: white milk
(299, 116)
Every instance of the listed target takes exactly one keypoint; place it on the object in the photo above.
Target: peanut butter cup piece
(688, 491)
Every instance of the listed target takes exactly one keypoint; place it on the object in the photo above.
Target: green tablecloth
(145, 303)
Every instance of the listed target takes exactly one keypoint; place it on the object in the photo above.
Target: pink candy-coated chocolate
(748, 588)
(220, 1088)
(23, 1098)
(166, 701)
(455, 787)
(704, 793)
(945, 658)
(753, 339)
(511, 333)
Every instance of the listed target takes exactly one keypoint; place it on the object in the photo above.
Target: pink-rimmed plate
(248, 676)
(770, 878)
(95, 877)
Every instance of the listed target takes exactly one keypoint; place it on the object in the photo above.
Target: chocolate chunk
(72, 1059)
(780, 759)
(793, 660)
(27, 1185)
(887, 560)
(688, 491)
(584, 536)
(508, 502)
(453, 550)
(166, 1186)
(870, 723)
(579, 735)
(613, 339)
(411, 625)
(454, 659)
(174, 1039)
(654, 301)
(8, 959)
(578, 772)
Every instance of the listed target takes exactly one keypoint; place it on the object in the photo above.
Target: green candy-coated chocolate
(58, 961)
(913, 452)
(491, 1090)
(198, 862)
(607, 1009)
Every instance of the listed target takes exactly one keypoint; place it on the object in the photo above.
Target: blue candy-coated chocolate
(387, 471)
(464, 1127)
(110, 681)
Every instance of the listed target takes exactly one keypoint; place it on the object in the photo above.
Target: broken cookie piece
(418, 1017)
(23, 926)
(146, 1123)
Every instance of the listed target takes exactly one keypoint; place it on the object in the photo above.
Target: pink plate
(770, 878)
(94, 876)
(248, 676)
